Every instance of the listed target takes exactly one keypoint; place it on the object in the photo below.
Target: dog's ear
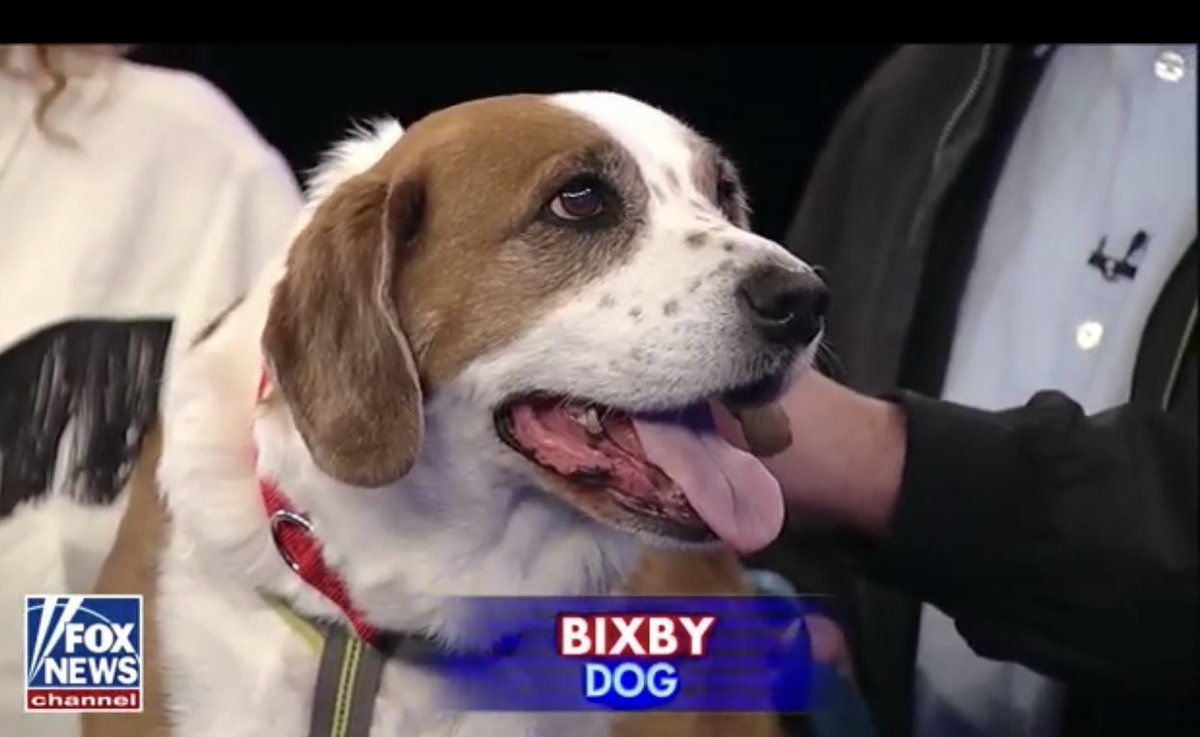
(333, 337)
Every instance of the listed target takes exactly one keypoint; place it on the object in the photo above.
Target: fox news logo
(83, 653)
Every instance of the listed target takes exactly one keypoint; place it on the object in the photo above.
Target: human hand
(844, 464)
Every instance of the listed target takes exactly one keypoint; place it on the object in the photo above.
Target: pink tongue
(735, 495)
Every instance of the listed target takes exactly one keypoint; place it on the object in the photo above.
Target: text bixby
(606, 639)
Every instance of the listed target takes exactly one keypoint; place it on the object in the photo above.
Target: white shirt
(1107, 149)
(167, 208)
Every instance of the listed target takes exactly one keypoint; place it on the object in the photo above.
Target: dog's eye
(581, 199)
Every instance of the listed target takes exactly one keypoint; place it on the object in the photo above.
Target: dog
(484, 366)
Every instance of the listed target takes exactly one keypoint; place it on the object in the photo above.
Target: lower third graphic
(83, 653)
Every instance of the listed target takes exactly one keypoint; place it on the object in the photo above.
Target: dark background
(770, 106)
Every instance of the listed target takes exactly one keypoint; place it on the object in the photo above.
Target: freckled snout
(785, 306)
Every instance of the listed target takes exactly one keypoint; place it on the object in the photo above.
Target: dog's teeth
(591, 422)
(586, 418)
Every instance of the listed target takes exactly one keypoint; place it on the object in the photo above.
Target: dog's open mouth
(669, 473)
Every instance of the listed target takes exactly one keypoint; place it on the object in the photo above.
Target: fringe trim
(76, 399)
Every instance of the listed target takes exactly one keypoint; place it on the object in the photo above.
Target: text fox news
(83, 653)
(719, 654)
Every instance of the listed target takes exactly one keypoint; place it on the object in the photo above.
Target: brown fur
(332, 337)
(457, 207)
(717, 179)
(132, 568)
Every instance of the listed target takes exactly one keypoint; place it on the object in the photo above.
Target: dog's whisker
(827, 357)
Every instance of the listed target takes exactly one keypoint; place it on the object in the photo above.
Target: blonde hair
(55, 65)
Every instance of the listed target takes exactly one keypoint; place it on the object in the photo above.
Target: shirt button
(1169, 66)
(1088, 334)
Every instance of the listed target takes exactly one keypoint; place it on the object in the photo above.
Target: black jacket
(1074, 551)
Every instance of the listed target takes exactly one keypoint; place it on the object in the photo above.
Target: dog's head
(577, 272)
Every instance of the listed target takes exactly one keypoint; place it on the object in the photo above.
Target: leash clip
(287, 517)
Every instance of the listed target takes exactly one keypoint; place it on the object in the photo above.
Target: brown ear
(333, 337)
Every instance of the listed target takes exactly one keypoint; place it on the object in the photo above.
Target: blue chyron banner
(693, 654)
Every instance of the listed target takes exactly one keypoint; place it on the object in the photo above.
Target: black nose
(785, 306)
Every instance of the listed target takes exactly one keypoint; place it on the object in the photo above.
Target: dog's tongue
(735, 495)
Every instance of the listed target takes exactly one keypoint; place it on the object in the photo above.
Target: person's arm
(1058, 540)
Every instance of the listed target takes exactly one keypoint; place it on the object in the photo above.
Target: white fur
(467, 520)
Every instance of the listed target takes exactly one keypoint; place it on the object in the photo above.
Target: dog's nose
(785, 306)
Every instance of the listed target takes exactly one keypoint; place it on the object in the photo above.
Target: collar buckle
(280, 519)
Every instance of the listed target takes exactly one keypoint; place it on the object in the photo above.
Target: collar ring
(281, 518)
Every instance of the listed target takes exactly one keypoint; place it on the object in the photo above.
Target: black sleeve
(1062, 541)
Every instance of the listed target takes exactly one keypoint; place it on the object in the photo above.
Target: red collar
(300, 549)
